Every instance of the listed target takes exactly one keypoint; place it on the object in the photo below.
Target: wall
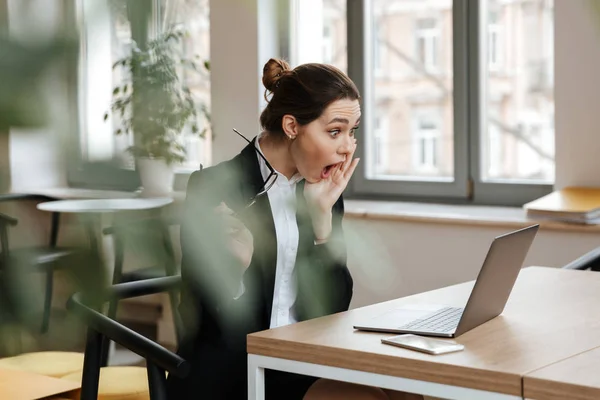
(241, 42)
(577, 49)
(390, 259)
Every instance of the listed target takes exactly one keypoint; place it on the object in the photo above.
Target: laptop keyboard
(444, 320)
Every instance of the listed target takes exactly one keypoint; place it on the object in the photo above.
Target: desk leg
(256, 379)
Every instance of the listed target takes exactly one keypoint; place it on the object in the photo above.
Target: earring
(291, 137)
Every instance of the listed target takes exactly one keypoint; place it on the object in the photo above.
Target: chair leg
(48, 300)
(90, 378)
(157, 382)
(113, 305)
(50, 275)
(171, 270)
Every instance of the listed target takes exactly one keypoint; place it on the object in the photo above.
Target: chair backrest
(146, 232)
(158, 359)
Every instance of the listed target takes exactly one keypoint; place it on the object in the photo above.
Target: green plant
(154, 102)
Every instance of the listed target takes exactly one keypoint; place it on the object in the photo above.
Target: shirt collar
(264, 170)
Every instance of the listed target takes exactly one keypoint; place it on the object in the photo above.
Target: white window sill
(463, 214)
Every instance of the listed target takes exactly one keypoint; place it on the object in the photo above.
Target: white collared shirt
(282, 196)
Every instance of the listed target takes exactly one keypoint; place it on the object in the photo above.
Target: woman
(262, 240)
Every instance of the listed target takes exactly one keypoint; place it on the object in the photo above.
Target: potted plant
(155, 104)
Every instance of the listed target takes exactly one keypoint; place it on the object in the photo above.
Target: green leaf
(105, 116)
(116, 90)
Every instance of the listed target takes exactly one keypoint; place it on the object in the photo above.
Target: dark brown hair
(303, 92)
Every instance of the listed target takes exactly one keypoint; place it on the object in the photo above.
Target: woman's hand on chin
(322, 195)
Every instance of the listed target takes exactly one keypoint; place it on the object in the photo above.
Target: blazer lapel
(260, 223)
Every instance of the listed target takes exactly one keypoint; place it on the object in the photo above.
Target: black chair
(151, 234)
(41, 258)
(589, 261)
(158, 359)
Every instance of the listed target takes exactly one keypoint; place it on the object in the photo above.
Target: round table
(94, 208)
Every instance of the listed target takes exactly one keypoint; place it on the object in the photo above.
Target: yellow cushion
(119, 383)
(50, 363)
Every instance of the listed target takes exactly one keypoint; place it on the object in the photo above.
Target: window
(379, 48)
(120, 31)
(494, 45)
(494, 152)
(523, 96)
(193, 17)
(425, 137)
(380, 154)
(318, 32)
(427, 43)
(470, 113)
(107, 31)
(110, 38)
(416, 103)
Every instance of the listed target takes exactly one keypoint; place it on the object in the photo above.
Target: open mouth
(326, 172)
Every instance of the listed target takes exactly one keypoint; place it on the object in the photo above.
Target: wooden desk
(576, 378)
(23, 385)
(551, 315)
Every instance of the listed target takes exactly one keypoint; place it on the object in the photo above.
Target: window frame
(359, 15)
(469, 19)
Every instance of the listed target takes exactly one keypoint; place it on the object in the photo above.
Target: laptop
(487, 300)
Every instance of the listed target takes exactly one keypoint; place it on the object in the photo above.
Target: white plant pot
(156, 176)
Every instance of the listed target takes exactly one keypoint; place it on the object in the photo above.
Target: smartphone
(423, 344)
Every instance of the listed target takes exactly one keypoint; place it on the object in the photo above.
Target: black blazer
(216, 324)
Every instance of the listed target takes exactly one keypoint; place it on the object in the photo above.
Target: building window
(426, 137)
(494, 45)
(380, 145)
(428, 43)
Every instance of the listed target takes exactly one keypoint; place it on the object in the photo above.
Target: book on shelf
(571, 204)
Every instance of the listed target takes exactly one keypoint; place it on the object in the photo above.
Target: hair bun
(273, 71)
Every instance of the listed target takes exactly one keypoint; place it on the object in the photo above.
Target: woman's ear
(289, 126)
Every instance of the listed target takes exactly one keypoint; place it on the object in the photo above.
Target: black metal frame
(269, 182)
(589, 261)
(6, 221)
(158, 359)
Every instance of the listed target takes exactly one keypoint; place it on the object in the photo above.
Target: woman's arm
(210, 271)
(324, 282)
